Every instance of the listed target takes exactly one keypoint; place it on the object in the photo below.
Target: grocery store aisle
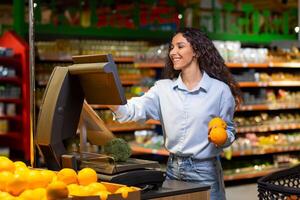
(244, 192)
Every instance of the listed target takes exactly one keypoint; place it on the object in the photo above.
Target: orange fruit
(20, 164)
(22, 171)
(217, 122)
(5, 177)
(96, 187)
(36, 180)
(40, 193)
(74, 189)
(28, 195)
(67, 175)
(48, 175)
(16, 185)
(218, 136)
(124, 191)
(6, 164)
(103, 194)
(57, 190)
(5, 195)
(87, 176)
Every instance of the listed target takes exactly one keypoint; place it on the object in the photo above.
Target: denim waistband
(185, 157)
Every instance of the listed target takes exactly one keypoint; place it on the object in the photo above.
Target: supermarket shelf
(10, 100)
(252, 174)
(128, 126)
(67, 59)
(10, 135)
(17, 118)
(285, 64)
(123, 59)
(230, 65)
(137, 149)
(149, 65)
(266, 150)
(270, 84)
(264, 65)
(130, 59)
(247, 65)
(15, 80)
(130, 82)
(14, 61)
(274, 106)
(269, 127)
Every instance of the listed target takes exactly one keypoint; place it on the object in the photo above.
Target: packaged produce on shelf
(267, 119)
(153, 54)
(4, 126)
(7, 52)
(231, 51)
(7, 71)
(149, 139)
(58, 49)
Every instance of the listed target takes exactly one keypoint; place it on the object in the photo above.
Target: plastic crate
(280, 185)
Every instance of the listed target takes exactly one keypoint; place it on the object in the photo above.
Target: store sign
(223, 23)
(247, 21)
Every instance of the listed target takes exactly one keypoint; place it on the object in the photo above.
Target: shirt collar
(203, 84)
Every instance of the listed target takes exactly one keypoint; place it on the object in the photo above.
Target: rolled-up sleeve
(141, 108)
(227, 108)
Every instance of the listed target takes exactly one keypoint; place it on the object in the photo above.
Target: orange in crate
(16, 185)
(6, 164)
(5, 177)
(57, 190)
(67, 175)
(87, 176)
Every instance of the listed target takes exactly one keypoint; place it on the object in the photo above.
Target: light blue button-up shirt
(184, 114)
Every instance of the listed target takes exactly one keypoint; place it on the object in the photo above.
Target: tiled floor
(244, 192)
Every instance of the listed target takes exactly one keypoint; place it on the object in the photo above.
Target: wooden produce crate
(112, 187)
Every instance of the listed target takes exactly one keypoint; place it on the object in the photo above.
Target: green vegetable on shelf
(118, 148)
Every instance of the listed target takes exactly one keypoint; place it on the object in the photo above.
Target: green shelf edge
(143, 34)
(103, 33)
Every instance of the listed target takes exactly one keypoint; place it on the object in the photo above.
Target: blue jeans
(207, 171)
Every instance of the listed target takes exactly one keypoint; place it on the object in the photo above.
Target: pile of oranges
(19, 182)
(217, 134)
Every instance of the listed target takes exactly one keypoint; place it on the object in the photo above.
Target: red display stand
(18, 135)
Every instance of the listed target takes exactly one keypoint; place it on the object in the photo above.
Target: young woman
(197, 87)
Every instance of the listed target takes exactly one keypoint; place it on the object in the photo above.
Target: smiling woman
(197, 87)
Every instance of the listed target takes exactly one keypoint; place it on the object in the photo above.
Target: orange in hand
(218, 136)
(217, 122)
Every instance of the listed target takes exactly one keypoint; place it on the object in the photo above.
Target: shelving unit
(17, 134)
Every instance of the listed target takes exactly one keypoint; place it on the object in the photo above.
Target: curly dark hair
(209, 60)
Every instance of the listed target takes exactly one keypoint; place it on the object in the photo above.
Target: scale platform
(133, 172)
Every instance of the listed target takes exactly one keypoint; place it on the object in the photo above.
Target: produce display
(20, 182)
